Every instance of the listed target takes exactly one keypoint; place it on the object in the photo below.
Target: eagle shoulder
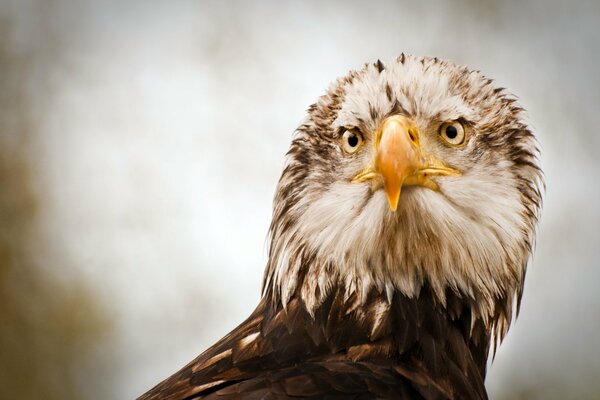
(407, 349)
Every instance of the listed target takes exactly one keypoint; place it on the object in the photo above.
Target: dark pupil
(353, 140)
(451, 132)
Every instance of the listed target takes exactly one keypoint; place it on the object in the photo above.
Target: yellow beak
(399, 159)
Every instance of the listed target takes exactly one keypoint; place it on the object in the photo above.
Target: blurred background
(140, 146)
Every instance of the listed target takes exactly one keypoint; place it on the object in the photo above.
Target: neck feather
(417, 336)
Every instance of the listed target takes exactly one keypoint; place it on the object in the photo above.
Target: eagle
(403, 224)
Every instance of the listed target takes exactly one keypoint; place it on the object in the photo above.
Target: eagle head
(410, 173)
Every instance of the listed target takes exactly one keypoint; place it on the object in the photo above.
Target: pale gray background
(154, 134)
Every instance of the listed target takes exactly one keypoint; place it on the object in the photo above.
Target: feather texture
(361, 302)
(416, 351)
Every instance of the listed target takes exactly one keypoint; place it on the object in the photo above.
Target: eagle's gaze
(367, 292)
(453, 133)
(351, 141)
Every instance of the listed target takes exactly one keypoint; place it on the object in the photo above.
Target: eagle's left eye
(351, 141)
(453, 133)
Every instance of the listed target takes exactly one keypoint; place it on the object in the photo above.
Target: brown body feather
(409, 349)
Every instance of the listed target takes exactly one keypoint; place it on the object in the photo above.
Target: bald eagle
(403, 223)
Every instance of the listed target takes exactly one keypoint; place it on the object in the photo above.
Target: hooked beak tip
(393, 196)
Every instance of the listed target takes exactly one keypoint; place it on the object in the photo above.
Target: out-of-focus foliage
(47, 325)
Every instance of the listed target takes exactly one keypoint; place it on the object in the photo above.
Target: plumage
(365, 300)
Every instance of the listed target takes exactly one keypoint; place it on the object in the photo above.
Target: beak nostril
(411, 136)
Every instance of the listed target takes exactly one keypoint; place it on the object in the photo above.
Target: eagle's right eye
(351, 141)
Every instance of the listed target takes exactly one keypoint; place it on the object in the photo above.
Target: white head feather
(473, 236)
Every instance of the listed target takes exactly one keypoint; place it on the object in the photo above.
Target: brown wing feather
(412, 350)
(213, 368)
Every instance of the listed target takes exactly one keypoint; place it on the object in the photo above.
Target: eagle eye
(452, 133)
(351, 141)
